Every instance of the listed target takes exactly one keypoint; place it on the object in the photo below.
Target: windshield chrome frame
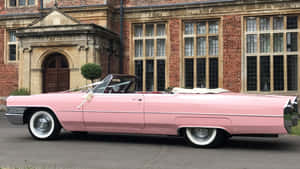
(108, 79)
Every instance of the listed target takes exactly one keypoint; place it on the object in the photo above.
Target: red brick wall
(232, 52)
(48, 4)
(8, 72)
(2, 31)
(2, 4)
(8, 79)
(126, 45)
(174, 58)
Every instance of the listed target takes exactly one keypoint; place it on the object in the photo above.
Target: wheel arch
(180, 129)
(30, 110)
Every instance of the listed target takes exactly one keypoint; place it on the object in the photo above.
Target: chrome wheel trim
(42, 124)
(201, 136)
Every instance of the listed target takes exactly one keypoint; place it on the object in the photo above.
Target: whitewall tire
(204, 137)
(43, 125)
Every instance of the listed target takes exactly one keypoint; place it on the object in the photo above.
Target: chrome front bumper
(15, 115)
(291, 115)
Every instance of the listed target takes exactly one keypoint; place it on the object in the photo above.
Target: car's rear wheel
(204, 137)
(43, 125)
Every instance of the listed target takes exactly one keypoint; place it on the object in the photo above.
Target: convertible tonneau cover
(199, 91)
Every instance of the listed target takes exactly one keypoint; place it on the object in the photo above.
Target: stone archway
(56, 73)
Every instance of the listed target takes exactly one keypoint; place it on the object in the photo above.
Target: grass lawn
(296, 130)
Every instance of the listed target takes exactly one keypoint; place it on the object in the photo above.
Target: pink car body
(163, 113)
(166, 114)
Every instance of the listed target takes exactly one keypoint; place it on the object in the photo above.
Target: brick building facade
(241, 45)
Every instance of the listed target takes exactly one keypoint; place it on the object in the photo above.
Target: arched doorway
(56, 73)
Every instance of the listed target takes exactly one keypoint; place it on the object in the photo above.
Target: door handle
(138, 100)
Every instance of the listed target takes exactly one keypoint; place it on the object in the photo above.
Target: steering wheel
(109, 90)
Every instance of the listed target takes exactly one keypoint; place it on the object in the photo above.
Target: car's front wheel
(43, 125)
(204, 137)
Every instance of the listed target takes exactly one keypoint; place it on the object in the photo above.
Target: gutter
(181, 4)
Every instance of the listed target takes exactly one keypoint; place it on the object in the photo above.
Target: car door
(108, 112)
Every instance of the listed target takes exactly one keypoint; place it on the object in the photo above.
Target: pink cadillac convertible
(113, 106)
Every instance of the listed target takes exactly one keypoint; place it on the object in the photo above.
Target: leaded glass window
(189, 46)
(22, 2)
(12, 3)
(150, 54)
(189, 29)
(201, 54)
(201, 46)
(201, 28)
(251, 24)
(12, 46)
(31, 2)
(272, 53)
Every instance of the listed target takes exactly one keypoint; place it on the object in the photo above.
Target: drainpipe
(41, 8)
(121, 37)
(111, 53)
(42, 4)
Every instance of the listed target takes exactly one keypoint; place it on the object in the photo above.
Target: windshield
(116, 84)
(100, 88)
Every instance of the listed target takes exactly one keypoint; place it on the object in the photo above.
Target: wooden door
(56, 73)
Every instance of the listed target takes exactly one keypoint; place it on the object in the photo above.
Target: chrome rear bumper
(291, 115)
(15, 115)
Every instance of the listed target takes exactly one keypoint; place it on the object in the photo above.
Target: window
(271, 44)
(150, 56)
(201, 54)
(12, 46)
(31, 2)
(20, 3)
(12, 3)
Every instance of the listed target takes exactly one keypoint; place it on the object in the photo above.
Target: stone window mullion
(155, 57)
(285, 55)
(207, 54)
(144, 57)
(271, 55)
(258, 54)
(195, 54)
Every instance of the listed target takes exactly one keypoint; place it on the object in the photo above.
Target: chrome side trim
(214, 114)
(15, 115)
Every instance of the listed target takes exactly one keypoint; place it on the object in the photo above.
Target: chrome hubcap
(201, 136)
(201, 133)
(42, 124)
